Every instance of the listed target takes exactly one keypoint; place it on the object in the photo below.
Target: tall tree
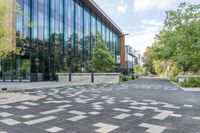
(180, 37)
(179, 41)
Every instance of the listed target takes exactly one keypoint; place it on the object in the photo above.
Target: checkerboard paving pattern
(98, 108)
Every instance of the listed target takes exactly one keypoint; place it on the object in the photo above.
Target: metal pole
(132, 68)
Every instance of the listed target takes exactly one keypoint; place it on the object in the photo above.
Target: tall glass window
(55, 36)
(103, 32)
(93, 30)
(107, 36)
(86, 34)
(46, 63)
(110, 39)
(21, 64)
(16, 60)
(98, 26)
(78, 37)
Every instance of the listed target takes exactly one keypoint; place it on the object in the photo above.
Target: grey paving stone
(106, 108)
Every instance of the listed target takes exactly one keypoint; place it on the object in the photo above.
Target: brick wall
(122, 51)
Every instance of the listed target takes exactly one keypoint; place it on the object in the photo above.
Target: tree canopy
(5, 34)
(138, 69)
(179, 40)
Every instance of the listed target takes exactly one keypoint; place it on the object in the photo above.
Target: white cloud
(152, 22)
(145, 5)
(122, 7)
(140, 41)
(142, 36)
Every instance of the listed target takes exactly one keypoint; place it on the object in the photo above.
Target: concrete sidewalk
(21, 86)
(191, 89)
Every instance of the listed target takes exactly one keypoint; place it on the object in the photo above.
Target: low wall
(111, 78)
(181, 78)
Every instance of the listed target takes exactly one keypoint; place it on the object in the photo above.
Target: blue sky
(142, 19)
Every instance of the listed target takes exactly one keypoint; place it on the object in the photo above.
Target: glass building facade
(55, 36)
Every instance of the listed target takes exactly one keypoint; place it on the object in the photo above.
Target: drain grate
(4, 89)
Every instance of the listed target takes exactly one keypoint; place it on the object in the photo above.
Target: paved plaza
(150, 105)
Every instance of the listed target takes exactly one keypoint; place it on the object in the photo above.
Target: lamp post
(70, 59)
(37, 63)
(132, 68)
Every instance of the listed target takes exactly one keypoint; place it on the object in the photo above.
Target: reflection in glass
(55, 36)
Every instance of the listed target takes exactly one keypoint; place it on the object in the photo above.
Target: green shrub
(191, 82)
(123, 78)
(173, 79)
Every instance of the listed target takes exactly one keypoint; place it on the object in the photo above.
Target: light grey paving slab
(5, 106)
(156, 129)
(121, 110)
(153, 128)
(49, 99)
(105, 128)
(171, 106)
(40, 120)
(187, 105)
(97, 103)
(30, 103)
(127, 101)
(138, 103)
(94, 113)
(138, 114)
(127, 98)
(148, 100)
(28, 116)
(176, 115)
(54, 129)
(164, 114)
(143, 107)
(64, 106)
(76, 112)
(81, 100)
(122, 116)
(77, 118)
(196, 118)
(3, 132)
(58, 101)
(10, 122)
(21, 107)
(98, 108)
(5, 114)
(52, 111)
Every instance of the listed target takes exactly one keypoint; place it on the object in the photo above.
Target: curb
(176, 84)
(129, 81)
(183, 88)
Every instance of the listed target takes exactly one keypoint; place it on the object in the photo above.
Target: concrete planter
(111, 78)
(181, 78)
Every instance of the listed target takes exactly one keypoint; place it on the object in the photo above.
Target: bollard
(92, 77)
(70, 77)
